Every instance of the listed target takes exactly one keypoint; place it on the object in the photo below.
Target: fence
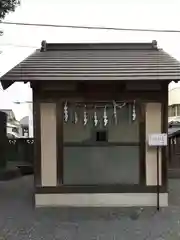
(20, 151)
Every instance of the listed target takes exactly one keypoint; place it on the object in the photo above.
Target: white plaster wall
(153, 125)
(48, 144)
(174, 96)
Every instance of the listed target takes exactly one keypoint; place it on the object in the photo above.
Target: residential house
(174, 105)
(24, 122)
(174, 149)
(13, 126)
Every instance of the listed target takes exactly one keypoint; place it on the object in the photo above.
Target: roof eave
(6, 83)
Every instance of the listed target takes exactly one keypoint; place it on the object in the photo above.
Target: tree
(7, 6)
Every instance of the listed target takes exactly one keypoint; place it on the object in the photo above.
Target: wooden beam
(37, 137)
(59, 141)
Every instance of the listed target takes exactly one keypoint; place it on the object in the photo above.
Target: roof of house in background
(173, 129)
(11, 118)
(173, 132)
(9, 113)
(95, 61)
(24, 121)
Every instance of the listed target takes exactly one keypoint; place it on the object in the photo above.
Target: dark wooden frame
(134, 188)
(59, 145)
(37, 137)
(58, 96)
(164, 129)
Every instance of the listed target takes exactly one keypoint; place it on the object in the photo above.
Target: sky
(156, 14)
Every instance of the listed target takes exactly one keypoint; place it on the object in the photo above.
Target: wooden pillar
(37, 138)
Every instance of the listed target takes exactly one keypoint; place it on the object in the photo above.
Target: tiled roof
(24, 121)
(108, 61)
(172, 132)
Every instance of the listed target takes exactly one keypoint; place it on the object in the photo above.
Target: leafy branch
(7, 6)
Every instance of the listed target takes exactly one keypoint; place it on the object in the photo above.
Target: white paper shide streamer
(115, 113)
(75, 117)
(134, 112)
(85, 117)
(66, 116)
(105, 117)
(95, 118)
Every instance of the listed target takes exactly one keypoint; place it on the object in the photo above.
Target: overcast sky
(158, 14)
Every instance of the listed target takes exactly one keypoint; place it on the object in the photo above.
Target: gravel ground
(19, 220)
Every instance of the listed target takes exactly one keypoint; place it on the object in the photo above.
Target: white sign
(157, 139)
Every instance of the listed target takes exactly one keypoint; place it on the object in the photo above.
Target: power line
(92, 27)
(23, 102)
(14, 45)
